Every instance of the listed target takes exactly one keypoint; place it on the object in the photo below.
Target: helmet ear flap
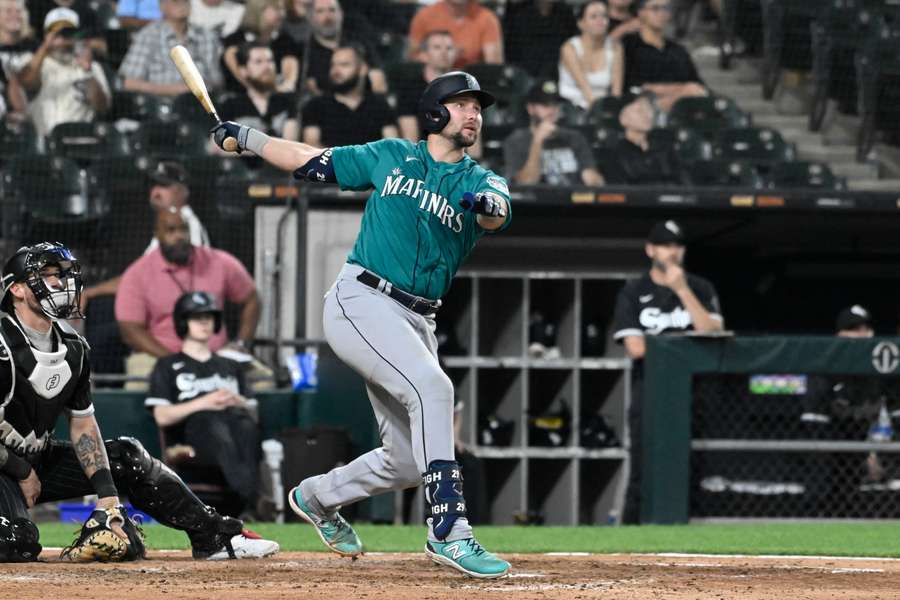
(437, 118)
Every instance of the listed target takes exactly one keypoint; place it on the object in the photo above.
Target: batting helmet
(433, 115)
(58, 302)
(192, 304)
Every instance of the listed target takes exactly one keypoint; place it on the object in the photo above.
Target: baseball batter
(430, 203)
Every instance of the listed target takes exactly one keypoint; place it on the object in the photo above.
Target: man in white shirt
(71, 86)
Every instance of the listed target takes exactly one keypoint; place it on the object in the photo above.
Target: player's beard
(460, 141)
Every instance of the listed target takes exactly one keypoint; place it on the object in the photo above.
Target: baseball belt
(417, 304)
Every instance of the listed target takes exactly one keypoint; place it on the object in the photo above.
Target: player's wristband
(253, 140)
(102, 482)
(14, 465)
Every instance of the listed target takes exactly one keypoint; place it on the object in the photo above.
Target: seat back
(508, 83)
(761, 145)
(687, 144)
(87, 142)
(170, 139)
(803, 174)
(723, 173)
(707, 114)
(604, 112)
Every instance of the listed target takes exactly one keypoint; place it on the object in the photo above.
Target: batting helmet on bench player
(433, 115)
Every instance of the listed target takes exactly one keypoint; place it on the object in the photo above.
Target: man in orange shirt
(476, 31)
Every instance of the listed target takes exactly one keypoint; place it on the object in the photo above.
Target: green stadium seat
(707, 114)
(801, 174)
(87, 142)
(186, 108)
(604, 112)
(687, 144)
(723, 173)
(170, 139)
(399, 74)
(136, 106)
(758, 145)
(508, 83)
(18, 139)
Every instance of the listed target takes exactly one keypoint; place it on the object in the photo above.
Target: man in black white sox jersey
(666, 299)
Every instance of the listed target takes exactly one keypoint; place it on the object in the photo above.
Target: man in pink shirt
(475, 29)
(153, 283)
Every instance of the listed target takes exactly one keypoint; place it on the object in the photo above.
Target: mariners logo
(886, 357)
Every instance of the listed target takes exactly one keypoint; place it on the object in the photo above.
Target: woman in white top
(592, 65)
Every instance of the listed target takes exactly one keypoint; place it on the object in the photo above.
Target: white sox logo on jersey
(656, 321)
(398, 184)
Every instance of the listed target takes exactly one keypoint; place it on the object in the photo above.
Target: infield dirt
(406, 576)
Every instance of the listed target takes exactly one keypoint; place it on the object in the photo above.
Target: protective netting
(795, 445)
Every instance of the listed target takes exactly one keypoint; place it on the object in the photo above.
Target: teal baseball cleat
(335, 533)
(467, 556)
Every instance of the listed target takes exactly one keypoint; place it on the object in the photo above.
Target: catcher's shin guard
(18, 540)
(155, 489)
(98, 542)
(444, 495)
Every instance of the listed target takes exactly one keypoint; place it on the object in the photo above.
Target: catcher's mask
(59, 294)
(194, 304)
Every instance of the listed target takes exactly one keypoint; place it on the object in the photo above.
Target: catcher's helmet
(433, 115)
(192, 304)
(57, 302)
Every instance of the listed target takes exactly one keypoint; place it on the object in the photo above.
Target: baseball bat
(188, 70)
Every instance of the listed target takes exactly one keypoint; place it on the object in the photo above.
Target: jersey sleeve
(496, 185)
(353, 165)
(81, 404)
(709, 298)
(626, 319)
(6, 367)
(163, 391)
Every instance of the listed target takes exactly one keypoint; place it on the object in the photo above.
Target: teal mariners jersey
(414, 233)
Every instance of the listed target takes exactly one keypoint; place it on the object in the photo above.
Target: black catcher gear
(192, 304)
(59, 301)
(18, 540)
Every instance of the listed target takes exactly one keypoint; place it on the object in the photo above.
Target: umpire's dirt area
(400, 576)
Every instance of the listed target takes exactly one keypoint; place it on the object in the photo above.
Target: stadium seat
(604, 143)
(801, 174)
(508, 83)
(724, 173)
(604, 112)
(687, 144)
(399, 74)
(19, 139)
(56, 200)
(759, 145)
(136, 106)
(86, 142)
(206, 176)
(170, 139)
(707, 114)
(231, 213)
(493, 138)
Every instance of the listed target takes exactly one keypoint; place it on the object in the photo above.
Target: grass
(835, 539)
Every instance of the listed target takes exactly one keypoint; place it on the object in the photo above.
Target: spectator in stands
(168, 191)
(199, 399)
(349, 113)
(438, 54)
(153, 283)
(475, 30)
(17, 45)
(262, 24)
(533, 31)
(622, 20)
(91, 31)
(272, 112)
(633, 161)
(136, 14)
(854, 322)
(147, 66)
(666, 299)
(544, 152)
(296, 21)
(222, 17)
(70, 86)
(655, 64)
(331, 29)
(591, 64)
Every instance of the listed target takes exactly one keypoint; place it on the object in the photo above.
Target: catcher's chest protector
(40, 384)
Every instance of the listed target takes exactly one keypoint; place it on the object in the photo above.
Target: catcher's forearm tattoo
(91, 453)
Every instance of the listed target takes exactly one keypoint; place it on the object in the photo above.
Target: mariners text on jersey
(398, 184)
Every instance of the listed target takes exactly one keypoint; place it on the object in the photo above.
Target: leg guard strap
(444, 495)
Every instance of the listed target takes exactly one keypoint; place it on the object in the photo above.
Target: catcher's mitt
(97, 541)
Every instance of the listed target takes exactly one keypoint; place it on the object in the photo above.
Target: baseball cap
(544, 92)
(168, 172)
(666, 232)
(61, 18)
(853, 317)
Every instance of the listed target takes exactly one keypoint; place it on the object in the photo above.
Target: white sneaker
(246, 545)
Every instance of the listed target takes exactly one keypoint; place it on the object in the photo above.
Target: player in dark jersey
(666, 299)
(200, 399)
(45, 372)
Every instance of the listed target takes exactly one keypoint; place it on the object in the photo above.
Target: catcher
(45, 371)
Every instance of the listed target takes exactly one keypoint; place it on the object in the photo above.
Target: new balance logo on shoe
(456, 551)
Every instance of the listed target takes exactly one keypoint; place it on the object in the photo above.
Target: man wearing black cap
(545, 153)
(665, 299)
(854, 322)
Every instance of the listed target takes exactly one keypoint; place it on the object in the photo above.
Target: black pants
(228, 439)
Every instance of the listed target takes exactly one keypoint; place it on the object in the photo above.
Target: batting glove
(483, 204)
(230, 129)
